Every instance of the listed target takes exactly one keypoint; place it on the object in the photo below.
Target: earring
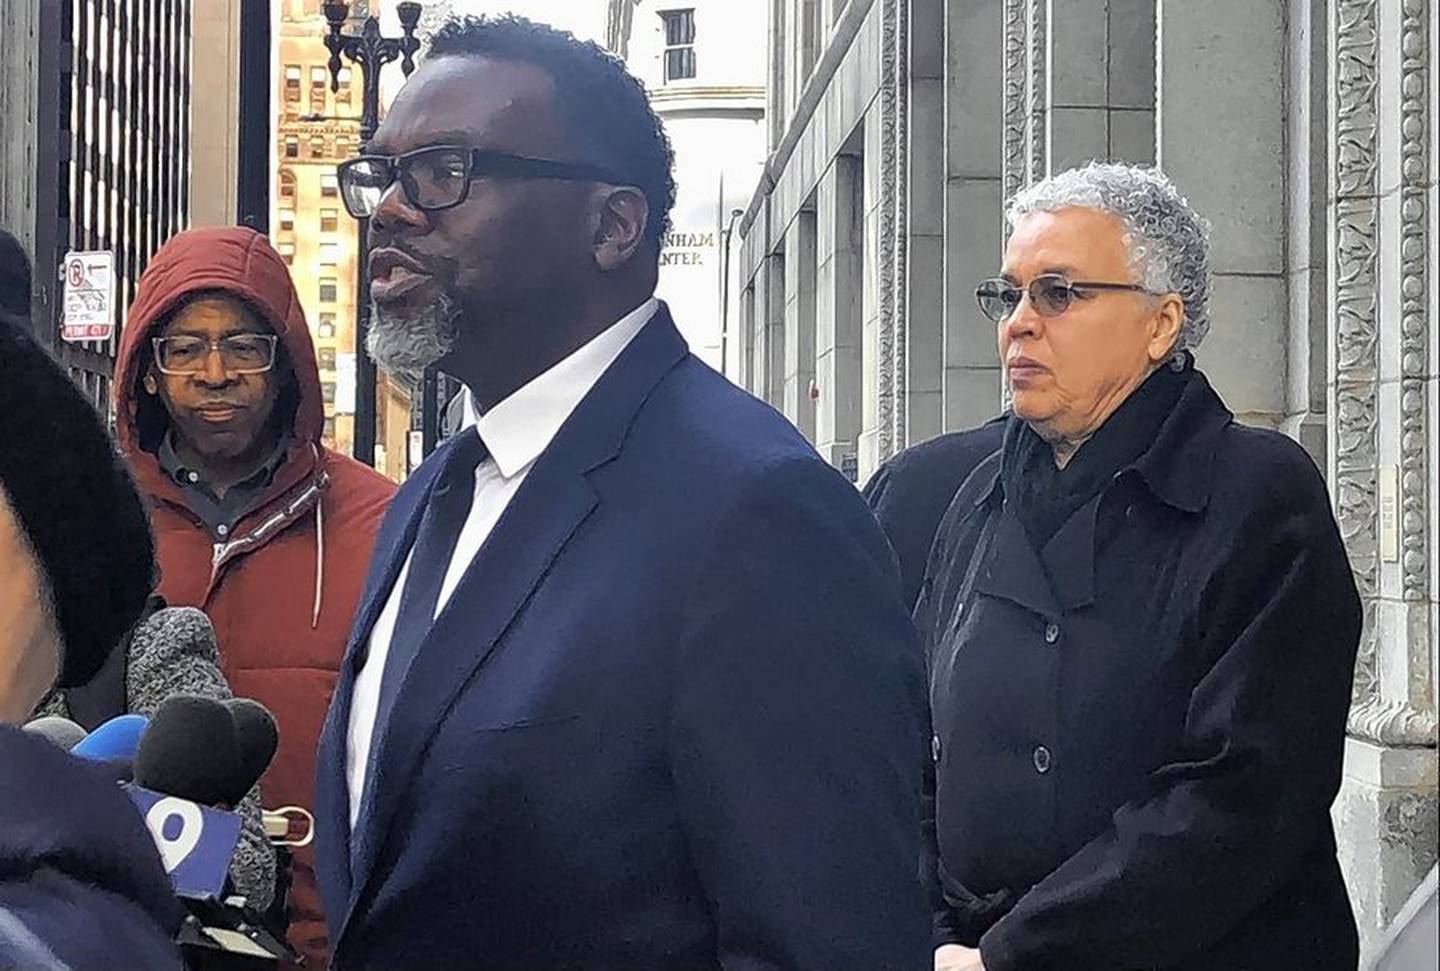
(150, 385)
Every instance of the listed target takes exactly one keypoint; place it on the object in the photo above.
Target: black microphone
(257, 739)
(191, 750)
(200, 752)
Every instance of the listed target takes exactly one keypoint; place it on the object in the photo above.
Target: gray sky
(583, 18)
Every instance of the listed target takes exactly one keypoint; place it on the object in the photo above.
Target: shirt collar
(517, 430)
(169, 458)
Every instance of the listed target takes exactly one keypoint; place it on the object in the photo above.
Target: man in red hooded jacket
(219, 414)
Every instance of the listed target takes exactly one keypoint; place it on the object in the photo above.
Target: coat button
(223, 530)
(935, 747)
(1042, 759)
(1052, 632)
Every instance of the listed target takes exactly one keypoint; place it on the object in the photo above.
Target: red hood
(236, 260)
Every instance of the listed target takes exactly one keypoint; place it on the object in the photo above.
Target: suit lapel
(1012, 569)
(541, 518)
(332, 791)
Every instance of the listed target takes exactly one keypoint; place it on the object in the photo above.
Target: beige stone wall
(316, 129)
(215, 112)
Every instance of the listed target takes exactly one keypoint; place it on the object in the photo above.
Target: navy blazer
(672, 717)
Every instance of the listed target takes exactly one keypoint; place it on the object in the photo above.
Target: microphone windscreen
(119, 738)
(56, 730)
(173, 652)
(258, 738)
(190, 751)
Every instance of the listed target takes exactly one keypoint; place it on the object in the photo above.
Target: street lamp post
(371, 52)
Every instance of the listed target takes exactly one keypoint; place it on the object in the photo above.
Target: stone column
(1383, 405)
(1308, 254)
(799, 369)
(215, 131)
(1213, 58)
(840, 269)
(925, 227)
(773, 362)
(1099, 81)
(974, 124)
(874, 349)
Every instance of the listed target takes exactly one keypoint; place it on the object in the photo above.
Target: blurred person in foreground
(631, 686)
(81, 885)
(1141, 625)
(219, 414)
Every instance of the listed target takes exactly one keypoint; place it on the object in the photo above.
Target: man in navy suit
(631, 685)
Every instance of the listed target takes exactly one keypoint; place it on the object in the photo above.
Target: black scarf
(1044, 496)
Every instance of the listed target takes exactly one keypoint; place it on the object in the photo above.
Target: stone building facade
(1306, 131)
(703, 64)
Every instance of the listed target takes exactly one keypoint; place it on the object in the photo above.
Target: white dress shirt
(515, 432)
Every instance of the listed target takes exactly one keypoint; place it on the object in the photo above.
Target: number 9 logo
(174, 851)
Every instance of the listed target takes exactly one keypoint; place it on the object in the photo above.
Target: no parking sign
(89, 309)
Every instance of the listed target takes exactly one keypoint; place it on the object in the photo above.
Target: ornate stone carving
(1016, 80)
(1354, 46)
(1392, 722)
(1039, 161)
(1409, 822)
(886, 282)
(900, 433)
(1416, 258)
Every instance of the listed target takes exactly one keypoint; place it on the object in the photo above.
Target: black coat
(1138, 730)
(81, 884)
(910, 493)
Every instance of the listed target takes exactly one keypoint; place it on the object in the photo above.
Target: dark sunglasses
(1050, 294)
(439, 176)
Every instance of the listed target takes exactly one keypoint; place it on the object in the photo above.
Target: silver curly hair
(1169, 242)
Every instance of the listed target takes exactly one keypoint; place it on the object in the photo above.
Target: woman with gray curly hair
(1141, 628)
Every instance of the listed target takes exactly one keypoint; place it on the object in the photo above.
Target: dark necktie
(445, 513)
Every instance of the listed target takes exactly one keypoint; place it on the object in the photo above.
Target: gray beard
(404, 341)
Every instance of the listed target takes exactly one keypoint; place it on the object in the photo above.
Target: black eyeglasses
(1050, 294)
(439, 176)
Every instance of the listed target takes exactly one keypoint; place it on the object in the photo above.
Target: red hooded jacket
(282, 590)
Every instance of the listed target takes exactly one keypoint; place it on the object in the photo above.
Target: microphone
(117, 739)
(201, 753)
(191, 751)
(257, 739)
(173, 652)
(58, 731)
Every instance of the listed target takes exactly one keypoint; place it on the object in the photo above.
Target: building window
(679, 44)
(287, 253)
(342, 95)
(292, 146)
(342, 146)
(330, 429)
(317, 146)
(287, 185)
(327, 326)
(329, 220)
(327, 391)
(327, 358)
(319, 76)
(292, 83)
(329, 185)
(328, 290)
(287, 218)
(329, 254)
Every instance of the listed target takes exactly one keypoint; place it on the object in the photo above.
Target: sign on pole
(89, 308)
